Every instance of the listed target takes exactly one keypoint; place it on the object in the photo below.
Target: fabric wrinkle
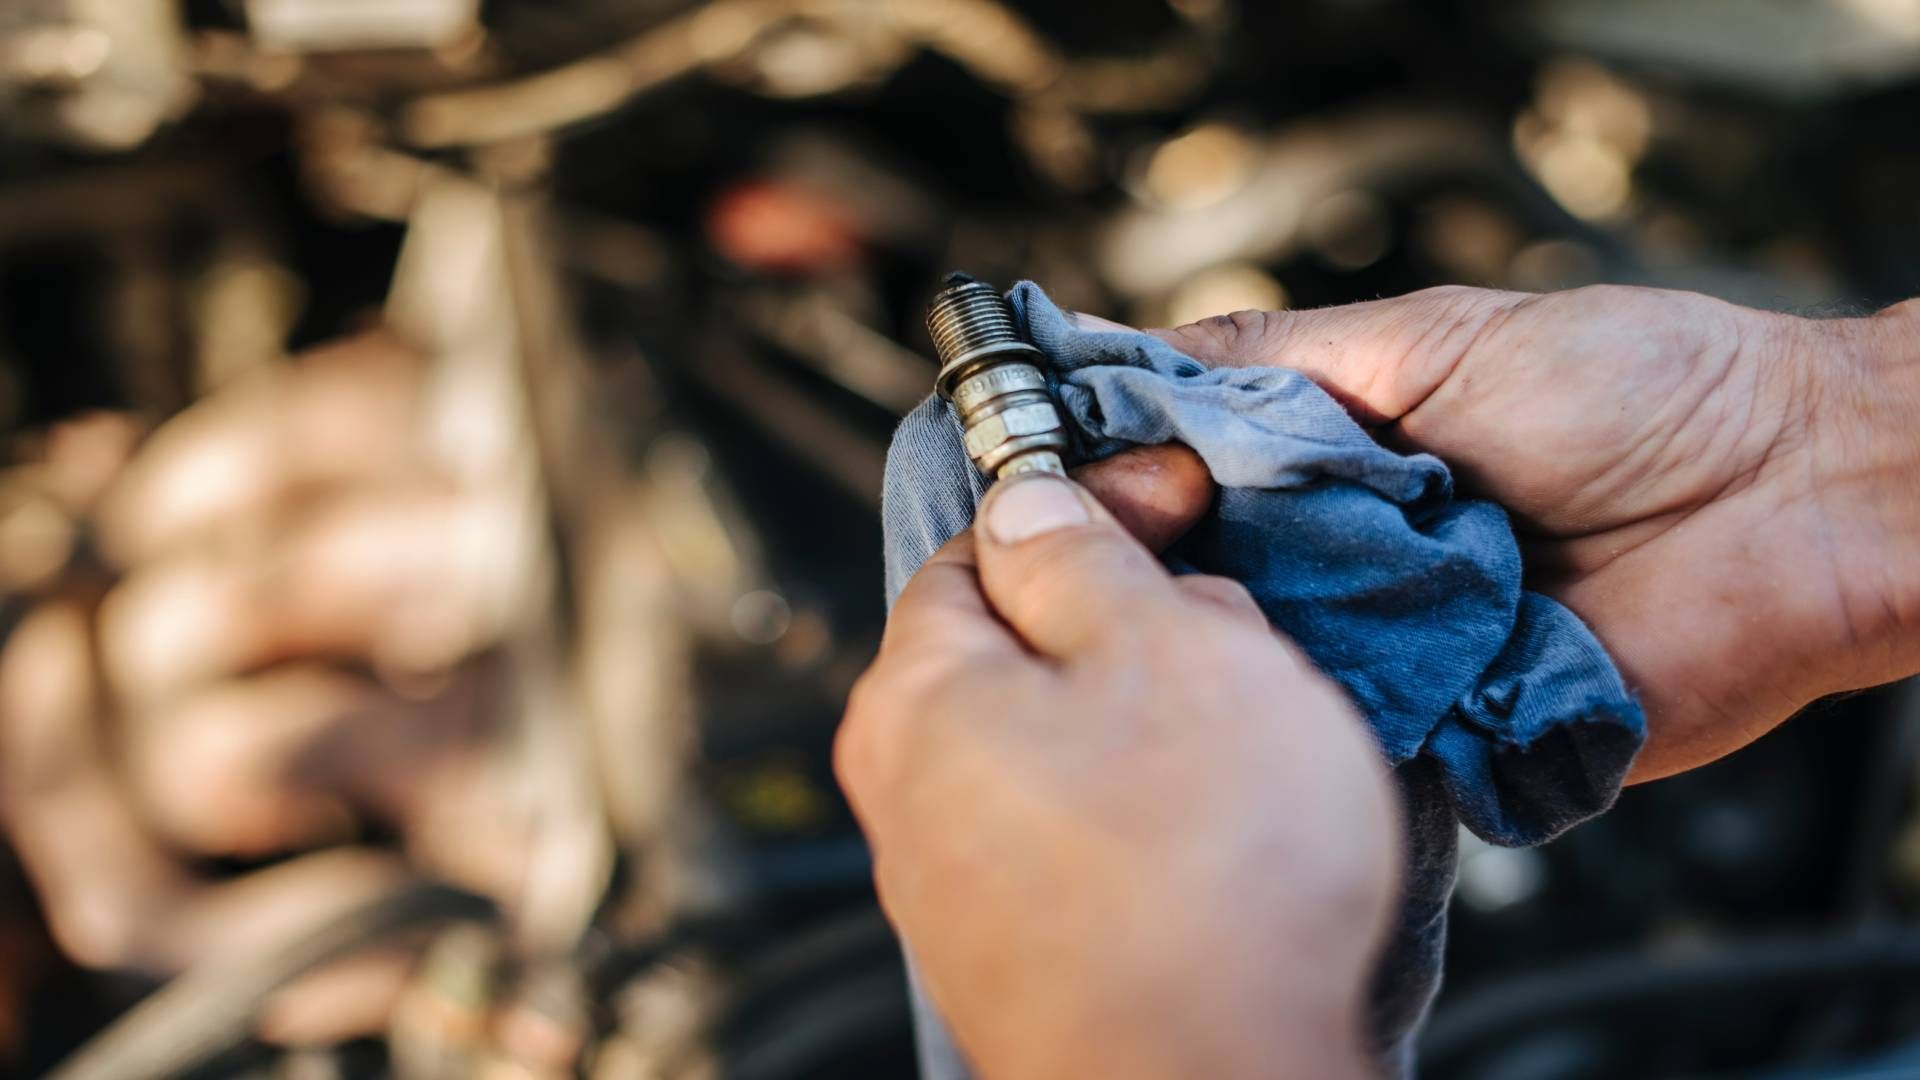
(1497, 707)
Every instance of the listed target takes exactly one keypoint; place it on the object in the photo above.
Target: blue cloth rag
(1495, 706)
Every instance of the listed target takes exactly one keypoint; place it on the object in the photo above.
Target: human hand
(290, 646)
(1125, 829)
(1725, 495)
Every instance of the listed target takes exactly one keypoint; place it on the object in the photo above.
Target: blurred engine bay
(657, 269)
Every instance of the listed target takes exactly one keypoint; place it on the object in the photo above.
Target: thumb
(1379, 359)
(1058, 568)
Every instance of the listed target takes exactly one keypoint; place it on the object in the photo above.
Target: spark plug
(992, 377)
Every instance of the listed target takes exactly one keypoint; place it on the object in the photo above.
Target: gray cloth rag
(1495, 706)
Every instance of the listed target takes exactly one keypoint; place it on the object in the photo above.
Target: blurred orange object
(782, 229)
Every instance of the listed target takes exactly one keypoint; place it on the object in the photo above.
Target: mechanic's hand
(1125, 829)
(1726, 496)
(291, 647)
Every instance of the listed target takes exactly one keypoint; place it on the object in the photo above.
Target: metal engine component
(992, 377)
(337, 25)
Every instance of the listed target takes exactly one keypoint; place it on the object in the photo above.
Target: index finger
(943, 609)
(1380, 359)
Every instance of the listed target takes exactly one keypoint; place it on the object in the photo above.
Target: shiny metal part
(992, 377)
(340, 25)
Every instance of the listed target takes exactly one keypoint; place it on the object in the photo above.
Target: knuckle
(869, 685)
(882, 704)
(858, 741)
(1449, 304)
(1904, 311)
(851, 764)
(1448, 295)
(850, 759)
(1608, 297)
(1238, 337)
(1248, 323)
(1224, 596)
(1238, 592)
(1216, 587)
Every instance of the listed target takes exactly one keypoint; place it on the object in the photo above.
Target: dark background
(718, 234)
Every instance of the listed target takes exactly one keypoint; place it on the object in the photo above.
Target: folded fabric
(1496, 706)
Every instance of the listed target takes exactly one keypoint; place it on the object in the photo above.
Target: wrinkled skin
(1053, 728)
(1085, 781)
(1724, 495)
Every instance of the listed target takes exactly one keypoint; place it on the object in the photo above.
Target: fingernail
(1032, 506)
(1083, 321)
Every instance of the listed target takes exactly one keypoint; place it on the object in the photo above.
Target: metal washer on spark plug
(993, 379)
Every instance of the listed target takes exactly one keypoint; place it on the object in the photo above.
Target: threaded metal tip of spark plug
(992, 377)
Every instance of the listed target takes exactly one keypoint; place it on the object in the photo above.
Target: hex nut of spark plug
(993, 379)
